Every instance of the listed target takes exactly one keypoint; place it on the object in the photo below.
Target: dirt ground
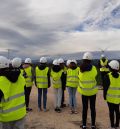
(64, 120)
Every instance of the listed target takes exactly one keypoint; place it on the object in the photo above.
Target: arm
(48, 78)
(63, 79)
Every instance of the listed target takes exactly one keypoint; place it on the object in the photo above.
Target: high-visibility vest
(12, 106)
(29, 75)
(56, 79)
(113, 93)
(87, 82)
(65, 69)
(103, 65)
(72, 77)
(41, 77)
(22, 71)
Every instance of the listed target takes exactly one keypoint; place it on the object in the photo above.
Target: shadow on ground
(79, 123)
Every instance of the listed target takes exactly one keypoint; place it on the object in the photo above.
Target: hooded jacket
(11, 74)
(106, 82)
(85, 67)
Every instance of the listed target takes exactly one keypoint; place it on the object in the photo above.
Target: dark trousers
(27, 95)
(63, 97)
(114, 113)
(40, 92)
(102, 76)
(85, 100)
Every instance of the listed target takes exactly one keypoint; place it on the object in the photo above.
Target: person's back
(88, 89)
(12, 104)
(42, 81)
(14, 99)
(111, 88)
(103, 65)
(56, 76)
(29, 81)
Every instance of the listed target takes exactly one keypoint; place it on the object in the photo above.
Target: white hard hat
(43, 60)
(60, 60)
(16, 62)
(4, 62)
(87, 56)
(28, 61)
(74, 61)
(68, 62)
(102, 55)
(55, 62)
(114, 64)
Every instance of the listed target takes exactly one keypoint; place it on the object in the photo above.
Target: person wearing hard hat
(103, 64)
(12, 98)
(29, 81)
(111, 86)
(68, 63)
(88, 89)
(62, 65)
(72, 84)
(56, 77)
(42, 81)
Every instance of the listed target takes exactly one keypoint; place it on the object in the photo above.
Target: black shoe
(59, 110)
(56, 109)
(28, 109)
(83, 127)
(63, 105)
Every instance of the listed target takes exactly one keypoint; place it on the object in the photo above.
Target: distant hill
(96, 55)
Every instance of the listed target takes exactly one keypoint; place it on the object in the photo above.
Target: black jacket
(85, 67)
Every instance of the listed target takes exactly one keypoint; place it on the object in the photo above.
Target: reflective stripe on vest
(87, 82)
(113, 93)
(88, 88)
(42, 77)
(56, 78)
(72, 77)
(28, 80)
(12, 109)
(56, 81)
(103, 66)
(13, 97)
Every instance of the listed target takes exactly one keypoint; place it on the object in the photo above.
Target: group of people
(16, 84)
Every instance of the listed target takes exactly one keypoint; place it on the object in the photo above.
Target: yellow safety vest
(12, 106)
(65, 69)
(72, 77)
(87, 82)
(103, 66)
(22, 71)
(113, 93)
(42, 77)
(56, 79)
(28, 80)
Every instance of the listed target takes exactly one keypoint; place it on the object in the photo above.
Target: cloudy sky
(47, 27)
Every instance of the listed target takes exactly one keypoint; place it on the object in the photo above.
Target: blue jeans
(40, 92)
(72, 97)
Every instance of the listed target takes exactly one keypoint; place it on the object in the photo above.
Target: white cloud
(47, 27)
